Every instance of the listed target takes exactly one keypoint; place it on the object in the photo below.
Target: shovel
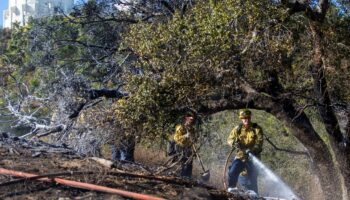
(205, 175)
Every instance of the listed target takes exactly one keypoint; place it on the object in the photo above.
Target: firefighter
(184, 137)
(246, 138)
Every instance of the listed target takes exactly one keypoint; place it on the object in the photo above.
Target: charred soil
(50, 161)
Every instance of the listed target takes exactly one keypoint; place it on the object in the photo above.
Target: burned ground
(40, 158)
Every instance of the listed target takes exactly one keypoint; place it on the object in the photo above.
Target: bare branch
(302, 109)
(53, 129)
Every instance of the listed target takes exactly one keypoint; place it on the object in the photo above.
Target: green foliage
(337, 44)
(58, 43)
(198, 55)
(50, 55)
(40, 52)
(192, 59)
(5, 36)
(17, 46)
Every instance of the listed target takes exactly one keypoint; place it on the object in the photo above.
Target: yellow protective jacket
(182, 138)
(249, 138)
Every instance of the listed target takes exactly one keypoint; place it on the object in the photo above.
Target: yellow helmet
(245, 113)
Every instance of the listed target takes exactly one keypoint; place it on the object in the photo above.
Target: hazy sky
(3, 6)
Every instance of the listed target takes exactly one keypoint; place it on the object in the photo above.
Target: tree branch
(321, 88)
(89, 45)
(53, 129)
(167, 5)
(317, 14)
(94, 94)
(285, 150)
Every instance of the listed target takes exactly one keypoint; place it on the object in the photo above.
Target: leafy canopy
(196, 58)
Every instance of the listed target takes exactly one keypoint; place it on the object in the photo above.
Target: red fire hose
(82, 185)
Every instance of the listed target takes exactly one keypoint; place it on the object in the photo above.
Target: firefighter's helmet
(245, 113)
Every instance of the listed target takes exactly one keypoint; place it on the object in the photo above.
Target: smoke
(272, 183)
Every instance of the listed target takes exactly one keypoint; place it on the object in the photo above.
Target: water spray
(283, 191)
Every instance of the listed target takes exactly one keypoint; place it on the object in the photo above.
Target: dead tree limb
(94, 94)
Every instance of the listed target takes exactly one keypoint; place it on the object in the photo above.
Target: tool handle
(198, 157)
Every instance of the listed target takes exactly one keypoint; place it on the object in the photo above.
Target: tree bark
(348, 129)
(321, 158)
(337, 140)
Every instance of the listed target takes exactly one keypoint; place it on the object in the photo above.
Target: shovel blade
(205, 175)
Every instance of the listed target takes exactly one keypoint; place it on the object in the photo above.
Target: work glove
(236, 145)
(187, 135)
(248, 151)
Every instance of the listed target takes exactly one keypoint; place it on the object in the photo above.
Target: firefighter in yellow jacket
(247, 138)
(184, 137)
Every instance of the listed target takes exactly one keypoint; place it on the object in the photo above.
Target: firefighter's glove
(248, 151)
(187, 135)
(237, 145)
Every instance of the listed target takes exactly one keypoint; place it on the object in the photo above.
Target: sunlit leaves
(195, 55)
